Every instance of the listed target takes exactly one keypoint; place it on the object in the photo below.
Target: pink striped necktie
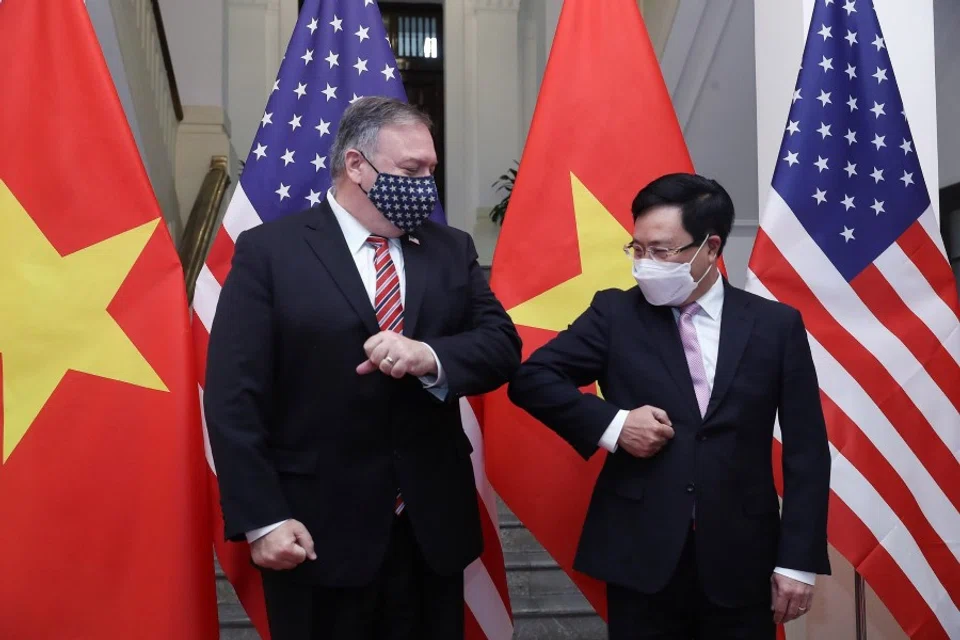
(691, 348)
(387, 303)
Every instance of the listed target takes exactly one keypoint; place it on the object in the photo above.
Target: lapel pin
(415, 241)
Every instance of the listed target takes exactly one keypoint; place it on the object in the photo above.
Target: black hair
(706, 207)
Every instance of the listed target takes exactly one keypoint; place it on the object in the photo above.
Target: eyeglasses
(636, 252)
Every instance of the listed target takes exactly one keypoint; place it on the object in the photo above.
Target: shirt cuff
(438, 381)
(610, 437)
(807, 577)
(256, 534)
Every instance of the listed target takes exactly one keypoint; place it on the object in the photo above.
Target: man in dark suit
(343, 339)
(684, 524)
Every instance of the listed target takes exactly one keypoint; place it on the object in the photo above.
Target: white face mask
(666, 283)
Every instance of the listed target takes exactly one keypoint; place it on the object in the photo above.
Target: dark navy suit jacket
(641, 509)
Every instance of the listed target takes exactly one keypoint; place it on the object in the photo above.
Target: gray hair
(361, 123)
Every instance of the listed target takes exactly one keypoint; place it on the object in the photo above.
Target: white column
(551, 17)
(254, 51)
(458, 202)
(538, 23)
(531, 22)
(483, 102)
(289, 12)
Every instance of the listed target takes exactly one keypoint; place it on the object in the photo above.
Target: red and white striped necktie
(387, 302)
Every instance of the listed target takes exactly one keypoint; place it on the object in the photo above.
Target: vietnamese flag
(103, 524)
(603, 128)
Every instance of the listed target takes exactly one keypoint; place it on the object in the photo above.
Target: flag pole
(860, 601)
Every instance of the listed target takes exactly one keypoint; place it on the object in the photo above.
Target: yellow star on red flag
(54, 318)
(602, 266)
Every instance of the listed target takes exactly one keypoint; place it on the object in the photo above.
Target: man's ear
(713, 243)
(353, 165)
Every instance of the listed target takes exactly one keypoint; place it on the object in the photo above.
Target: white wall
(946, 28)
(255, 46)
(482, 70)
(707, 64)
(199, 49)
(196, 35)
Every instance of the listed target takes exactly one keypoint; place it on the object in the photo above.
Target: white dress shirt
(706, 322)
(363, 253)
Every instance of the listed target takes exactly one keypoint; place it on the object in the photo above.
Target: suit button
(701, 437)
(396, 455)
(690, 488)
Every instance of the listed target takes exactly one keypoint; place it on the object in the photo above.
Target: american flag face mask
(406, 201)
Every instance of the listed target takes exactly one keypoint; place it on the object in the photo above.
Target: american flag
(849, 237)
(338, 53)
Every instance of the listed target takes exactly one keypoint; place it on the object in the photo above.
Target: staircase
(546, 604)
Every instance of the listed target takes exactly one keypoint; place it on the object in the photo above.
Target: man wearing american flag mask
(343, 339)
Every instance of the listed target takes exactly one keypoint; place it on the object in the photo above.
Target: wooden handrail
(203, 222)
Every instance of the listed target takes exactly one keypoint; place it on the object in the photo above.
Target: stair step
(249, 633)
(525, 607)
(555, 605)
(579, 628)
(226, 595)
(232, 616)
(528, 560)
(542, 583)
(503, 511)
(520, 540)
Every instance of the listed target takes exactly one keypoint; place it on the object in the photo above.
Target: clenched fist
(645, 432)
(397, 356)
(283, 548)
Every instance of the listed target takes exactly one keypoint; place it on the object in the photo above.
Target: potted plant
(504, 183)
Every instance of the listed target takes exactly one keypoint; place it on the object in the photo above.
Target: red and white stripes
(887, 350)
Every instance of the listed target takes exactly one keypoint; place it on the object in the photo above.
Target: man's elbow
(510, 354)
(521, 384)
(515, 356)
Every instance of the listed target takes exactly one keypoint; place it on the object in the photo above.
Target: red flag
(604, 127)
(101, 473)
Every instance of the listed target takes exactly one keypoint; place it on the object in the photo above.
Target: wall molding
(493, 5)
(272, 5)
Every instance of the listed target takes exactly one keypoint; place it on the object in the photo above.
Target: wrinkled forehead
(407, 142)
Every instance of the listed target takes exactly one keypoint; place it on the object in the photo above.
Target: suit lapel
(415, 269)
(735, 327)
(325, 238)
(667, 338)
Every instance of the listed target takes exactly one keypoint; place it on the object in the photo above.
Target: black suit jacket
(640, 512)
(296, 433)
